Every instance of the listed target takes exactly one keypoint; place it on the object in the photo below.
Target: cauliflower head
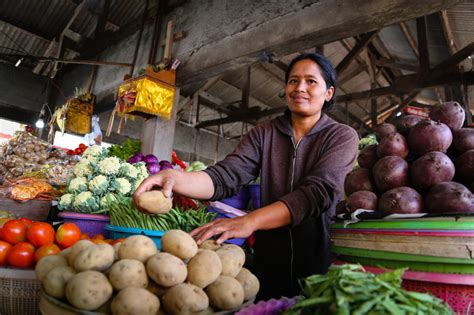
(109, 166)
(136, 183)
(93, 150)
(65, 202)
(99, 185)
(77, 185)
(141, 166)
(121, 186)
(129, 171)
(86, 202)
(82, 169)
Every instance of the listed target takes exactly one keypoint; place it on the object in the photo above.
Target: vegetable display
(416, 162)
(123, 213)
(126, 150)
(133, 277)
(100, 179)
(345, 289)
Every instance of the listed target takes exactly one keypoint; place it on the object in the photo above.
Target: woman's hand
(164, 179)
(227, 228)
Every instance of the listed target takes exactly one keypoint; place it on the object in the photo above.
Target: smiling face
(306, 89)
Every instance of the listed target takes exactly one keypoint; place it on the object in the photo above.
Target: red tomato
(77, 151)
(27, 222)
(4, 220)
(4, 248)
(82, 146)
(46, 250)
(40, 233)
(67, 235)
(119, 240)
(98, 237)
(14, 232)
(70, 152)
(21, 255)
(85, 236)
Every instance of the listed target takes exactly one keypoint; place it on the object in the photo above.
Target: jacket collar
(283, 123)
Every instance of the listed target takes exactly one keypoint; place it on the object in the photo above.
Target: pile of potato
(133, 277)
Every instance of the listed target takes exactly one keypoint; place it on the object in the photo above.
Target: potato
(98, 257)
(185, 298)
(132, 301)
(154, 202)
(249, 282)
(76, 249)
(137, 247)
(204, 268)
(166, 270)
(128, 273)
(225, 293)
(55, 282)
(210, 244)
(48, 263)
(179, 243)
(88, 290)
(232, 258)
(65, 252)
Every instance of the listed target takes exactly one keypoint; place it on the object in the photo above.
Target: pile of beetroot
(419, 166)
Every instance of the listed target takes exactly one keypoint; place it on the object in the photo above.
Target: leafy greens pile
(347, 290)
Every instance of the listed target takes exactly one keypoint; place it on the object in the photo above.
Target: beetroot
(449, 113)
(390, 172)
(401, 200)
(463, 139)
(431, 169)
(449, 197)
(465, 166)
(405, 123)
(384, 130)
(361, 200)
(427, 136)
(359, 179)
(393, 144)
(368, 156)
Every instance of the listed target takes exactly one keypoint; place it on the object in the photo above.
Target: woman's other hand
(226, 228)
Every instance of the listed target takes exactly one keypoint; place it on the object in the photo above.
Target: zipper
(295, 148)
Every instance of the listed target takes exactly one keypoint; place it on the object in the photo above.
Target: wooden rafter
(356, 50)
(423, 53)
(386, 63)
(448, 33)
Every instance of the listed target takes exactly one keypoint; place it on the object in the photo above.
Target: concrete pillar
(157, 134)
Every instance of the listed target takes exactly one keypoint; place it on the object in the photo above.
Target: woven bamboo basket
(19, 291)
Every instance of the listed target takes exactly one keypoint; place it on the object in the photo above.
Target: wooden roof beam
(424, 56)
(356, 50)
(386, 63)
(448, 33)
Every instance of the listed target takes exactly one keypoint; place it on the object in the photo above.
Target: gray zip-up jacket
(307, 176)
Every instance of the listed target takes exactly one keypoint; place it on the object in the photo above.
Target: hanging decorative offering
(75, 116)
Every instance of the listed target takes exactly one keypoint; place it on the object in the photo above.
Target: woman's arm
(269, 217)
(196, 185)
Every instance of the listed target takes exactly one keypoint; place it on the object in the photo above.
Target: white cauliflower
(65, 202)
(142, 169)
(77, 185)
(86, 202)
(99, 185)
(129, 171)
(109, 166)
(94, 150)
(106, 200)
(82, 169)
(121, 186)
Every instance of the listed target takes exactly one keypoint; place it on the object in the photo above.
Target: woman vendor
(302, 158)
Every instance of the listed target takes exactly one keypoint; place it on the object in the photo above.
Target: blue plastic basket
(117, 232)
(235, 241)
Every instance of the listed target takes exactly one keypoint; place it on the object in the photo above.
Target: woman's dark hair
(327, 69)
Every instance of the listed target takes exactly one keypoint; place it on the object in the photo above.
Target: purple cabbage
(153, 168)
(150, 158)
(166, 165)
(138, 157)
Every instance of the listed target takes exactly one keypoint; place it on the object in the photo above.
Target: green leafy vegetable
(126, 150)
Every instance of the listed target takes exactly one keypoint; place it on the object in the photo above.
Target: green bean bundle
(124, 214)
(347, 290)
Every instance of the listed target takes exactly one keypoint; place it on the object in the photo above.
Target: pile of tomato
(24, 242)
(78, 151)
